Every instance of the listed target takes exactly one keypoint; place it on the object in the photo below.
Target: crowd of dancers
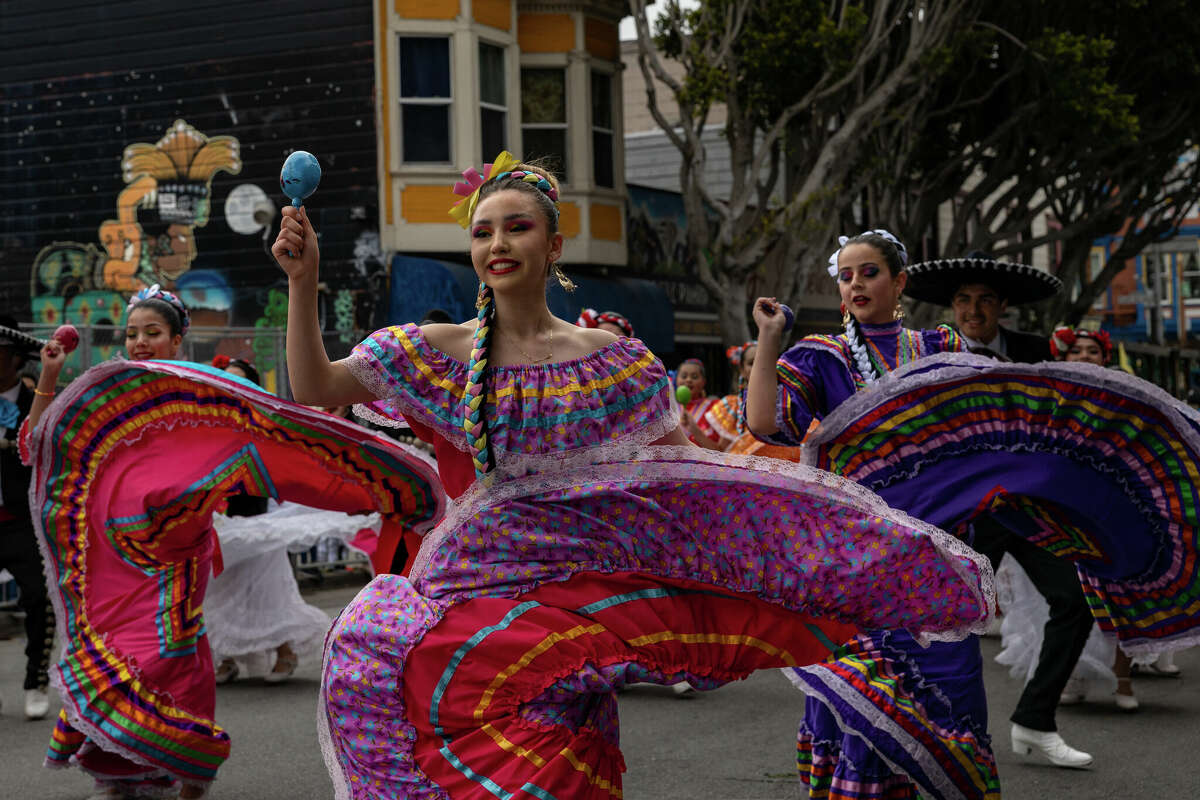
(840, 516)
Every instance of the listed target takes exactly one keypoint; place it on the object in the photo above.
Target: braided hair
(475, 393)
(538, 183)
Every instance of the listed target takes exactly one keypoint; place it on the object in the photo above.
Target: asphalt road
(737, 743)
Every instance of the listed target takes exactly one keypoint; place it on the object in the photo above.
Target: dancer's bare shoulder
(579, 342)
(453, 340)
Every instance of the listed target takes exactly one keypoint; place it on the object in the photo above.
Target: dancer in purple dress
(848, 747)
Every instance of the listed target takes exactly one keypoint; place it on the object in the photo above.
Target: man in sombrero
(18, 545)
(979, 289)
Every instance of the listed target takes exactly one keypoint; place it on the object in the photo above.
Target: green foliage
(1075, 68)
(784, 48)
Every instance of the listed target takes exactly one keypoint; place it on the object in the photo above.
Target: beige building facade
(460, 80)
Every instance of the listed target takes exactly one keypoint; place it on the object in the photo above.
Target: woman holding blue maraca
(589, 547)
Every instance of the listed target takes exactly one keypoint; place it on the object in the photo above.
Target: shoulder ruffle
(410, 377)
(612, 394)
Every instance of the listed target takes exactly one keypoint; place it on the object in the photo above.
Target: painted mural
(168, 195)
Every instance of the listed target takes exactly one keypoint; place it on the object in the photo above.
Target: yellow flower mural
(167, 196)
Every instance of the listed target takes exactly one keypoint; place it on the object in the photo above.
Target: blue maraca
(789, 317)
(300, 176)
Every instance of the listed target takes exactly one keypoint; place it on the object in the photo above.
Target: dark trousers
(19, 555)
(1066, 630)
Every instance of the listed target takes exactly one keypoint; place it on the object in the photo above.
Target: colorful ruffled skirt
(1088, 463)
(129, 462)
(493, 672)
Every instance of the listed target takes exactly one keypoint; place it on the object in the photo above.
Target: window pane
(492, 125)
(601, 101)
(424, 67)
(491, 74)
(549, 144)
(543, 95)
(602, 158)
(426, 131)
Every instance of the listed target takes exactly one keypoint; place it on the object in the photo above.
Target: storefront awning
(421, 284)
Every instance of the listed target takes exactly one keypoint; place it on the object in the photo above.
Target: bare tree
(804, 83)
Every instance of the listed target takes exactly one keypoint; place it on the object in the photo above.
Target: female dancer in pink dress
(156, 322)
(130, 461)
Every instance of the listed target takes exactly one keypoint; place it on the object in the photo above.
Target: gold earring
(563, 280)
(479, 302)
(845, 316)
(898, 313)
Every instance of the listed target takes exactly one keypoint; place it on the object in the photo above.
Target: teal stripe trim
(461, 653)
(537, 791)
(620, 599)
(487, 783)
(820, 636)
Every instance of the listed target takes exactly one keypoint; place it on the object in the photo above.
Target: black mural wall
(217, 93)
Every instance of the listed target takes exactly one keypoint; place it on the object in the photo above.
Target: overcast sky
(628, 31)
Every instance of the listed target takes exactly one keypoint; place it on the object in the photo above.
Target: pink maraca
(67, 336)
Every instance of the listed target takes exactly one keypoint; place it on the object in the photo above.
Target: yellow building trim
(601, 40)
(606, 221)
(427, 204)
(545, 33)
(385, 114)
(568, 219)
(426, 9)
(493, 13)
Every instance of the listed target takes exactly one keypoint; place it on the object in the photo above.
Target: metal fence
(1175, 369)
(264, 347)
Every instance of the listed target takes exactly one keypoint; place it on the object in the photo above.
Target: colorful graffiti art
(167, 196)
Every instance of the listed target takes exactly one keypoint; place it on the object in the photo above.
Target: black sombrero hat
(12, 336)
(937, 281)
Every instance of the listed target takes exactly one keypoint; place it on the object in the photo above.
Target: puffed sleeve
(413, 380)
(813, 381)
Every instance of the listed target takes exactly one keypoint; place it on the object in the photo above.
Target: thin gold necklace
(529, 358)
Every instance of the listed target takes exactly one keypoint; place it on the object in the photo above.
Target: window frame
(567, 173)
(485, 105)
(593, 128)
(447, 102)
(1181, 256)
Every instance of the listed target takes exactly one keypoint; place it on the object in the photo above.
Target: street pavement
(737, 743)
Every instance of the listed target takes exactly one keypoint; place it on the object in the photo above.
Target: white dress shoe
(1026, 741)
(1164, 665)
(37, 704)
